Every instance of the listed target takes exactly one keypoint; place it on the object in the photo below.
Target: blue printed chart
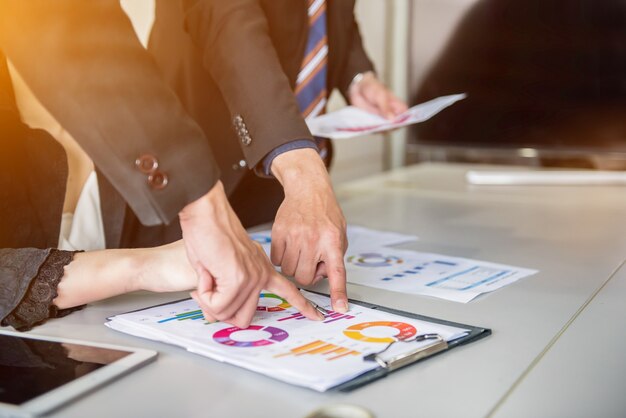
(451, 278)
(280, 343)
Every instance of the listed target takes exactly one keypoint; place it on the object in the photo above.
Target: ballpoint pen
(318, 308)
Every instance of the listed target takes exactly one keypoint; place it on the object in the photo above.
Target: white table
(584, 373)
(575, 237)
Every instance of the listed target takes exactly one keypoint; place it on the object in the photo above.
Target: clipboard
(436, 344)
(436, 347)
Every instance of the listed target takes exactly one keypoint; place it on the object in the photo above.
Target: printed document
(372, 261)
(283, 344)
(452, 278)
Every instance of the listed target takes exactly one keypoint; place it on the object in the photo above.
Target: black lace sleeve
(36, 306)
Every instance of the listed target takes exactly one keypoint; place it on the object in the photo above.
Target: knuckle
(313, 235)
(334, 235)
(220, 316)
(306, 279)
(219, 310)
(295, 231)
(340, 270)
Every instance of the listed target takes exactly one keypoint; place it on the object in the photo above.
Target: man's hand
(231, 268)
(371, 95)
(309, 233)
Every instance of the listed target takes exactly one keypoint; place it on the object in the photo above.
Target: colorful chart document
(351, 121)
(283, 344)
(452, 278)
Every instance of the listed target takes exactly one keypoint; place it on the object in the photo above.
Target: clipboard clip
(438, 344)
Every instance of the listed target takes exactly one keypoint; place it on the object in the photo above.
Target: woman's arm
(99, 275)
(39, 284)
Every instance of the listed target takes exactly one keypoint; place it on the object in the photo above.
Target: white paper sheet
(351, 121)
(452, 278)
(281, 343)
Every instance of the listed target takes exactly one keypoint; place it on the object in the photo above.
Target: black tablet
(39, 374)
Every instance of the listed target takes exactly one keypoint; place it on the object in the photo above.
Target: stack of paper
(283, 344)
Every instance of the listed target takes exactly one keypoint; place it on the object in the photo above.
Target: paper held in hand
(351, 121)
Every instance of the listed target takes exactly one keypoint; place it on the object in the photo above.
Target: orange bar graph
(337, 350)
(349, 353)
(320, 348)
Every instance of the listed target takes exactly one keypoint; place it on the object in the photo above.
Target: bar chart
(332, 316)
(192, 315)
(321, 348)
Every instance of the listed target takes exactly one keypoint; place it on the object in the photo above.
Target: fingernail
(320, 317)
(341, 306)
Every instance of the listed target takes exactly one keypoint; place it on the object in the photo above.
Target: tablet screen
(30, 368)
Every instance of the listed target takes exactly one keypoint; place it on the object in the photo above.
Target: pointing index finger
(283, 287)
(336, 271)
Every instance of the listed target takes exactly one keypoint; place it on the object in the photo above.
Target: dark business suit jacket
(33, 178)
(84, 62)
(239, 59)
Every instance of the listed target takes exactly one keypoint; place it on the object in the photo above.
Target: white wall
(431, 25)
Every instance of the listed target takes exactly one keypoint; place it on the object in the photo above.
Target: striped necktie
(311, 82)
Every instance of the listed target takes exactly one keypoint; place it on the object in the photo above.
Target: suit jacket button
(158, 180)
(243, 133)
(241, 164)
(147, 163)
